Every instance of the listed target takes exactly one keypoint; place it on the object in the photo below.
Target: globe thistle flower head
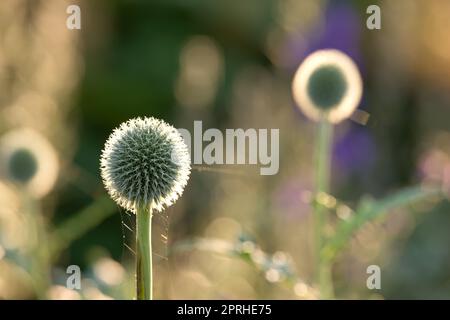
(327, 85)
(29, 160)
(145, 163)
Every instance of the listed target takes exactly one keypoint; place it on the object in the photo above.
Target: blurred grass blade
(80, 223)
(369, 210)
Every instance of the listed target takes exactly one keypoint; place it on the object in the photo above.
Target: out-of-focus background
(233, 234)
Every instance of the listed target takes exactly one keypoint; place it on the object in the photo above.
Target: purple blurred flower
(354, 152)
(434, 167)
(341, 31)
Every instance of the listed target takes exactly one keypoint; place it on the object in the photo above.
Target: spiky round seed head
(29, 160)
(145, 163)
(327, 85)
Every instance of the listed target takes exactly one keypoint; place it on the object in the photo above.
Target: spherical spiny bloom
(145, 163)
(28, 160)
(328, 86)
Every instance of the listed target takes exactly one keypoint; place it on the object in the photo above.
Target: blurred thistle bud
(328, 86)
(138, 167)
(29, 160)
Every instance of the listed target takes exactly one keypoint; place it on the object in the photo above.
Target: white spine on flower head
(327, 85)
(29, 160)
(138, 167)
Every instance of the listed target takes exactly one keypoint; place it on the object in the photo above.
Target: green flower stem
(39, 257)
(144, 279)
(322, 172)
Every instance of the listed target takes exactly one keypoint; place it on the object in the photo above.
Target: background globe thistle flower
(328, 86)
(145, 162)
(28, 160)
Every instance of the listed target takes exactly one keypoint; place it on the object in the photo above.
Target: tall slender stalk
(144, 279)
(322, 172)
(39, 255)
